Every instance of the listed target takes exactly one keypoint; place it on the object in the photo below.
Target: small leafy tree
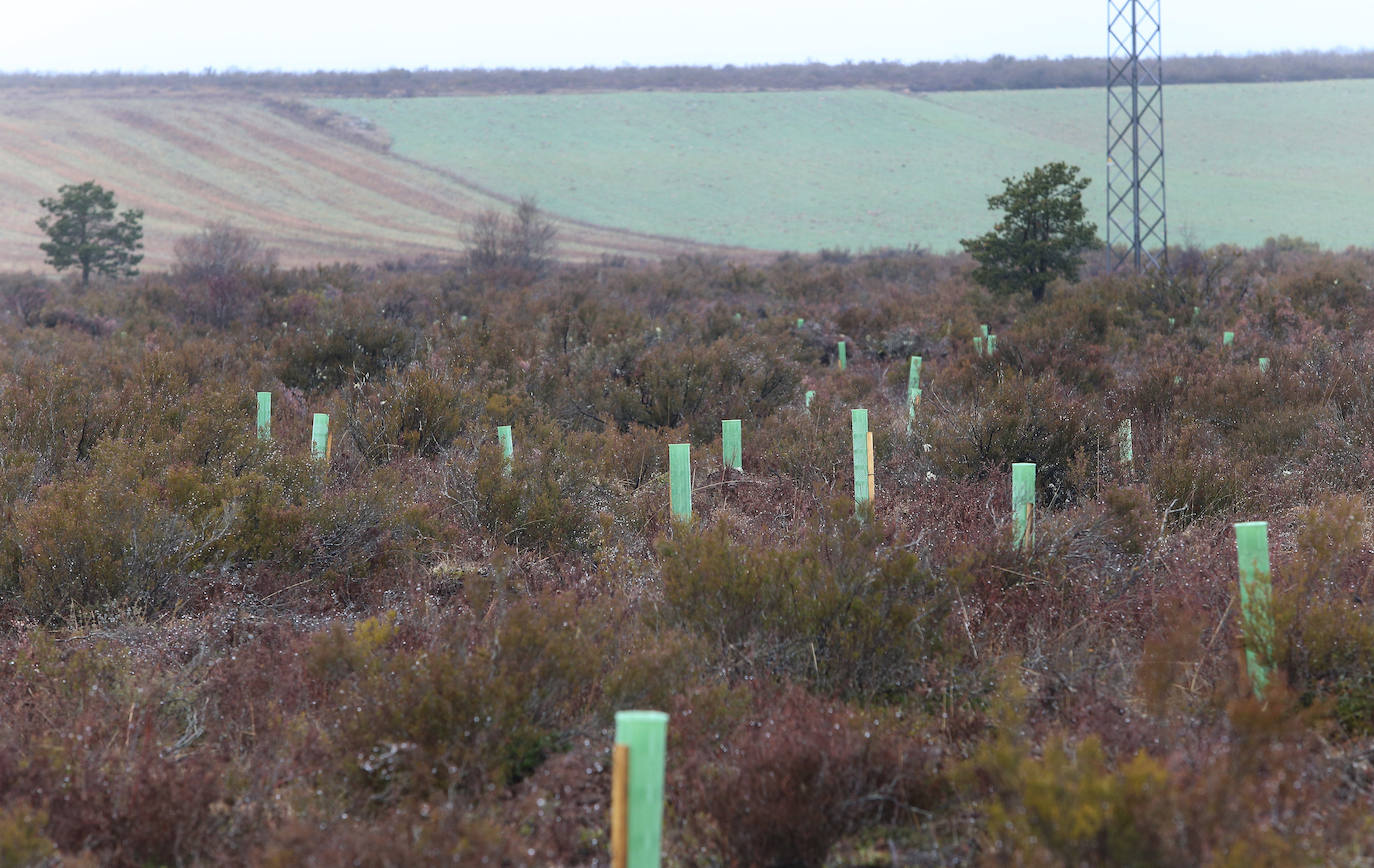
(1041, 235)
(83, 232)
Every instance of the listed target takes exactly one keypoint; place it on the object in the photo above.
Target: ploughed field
(320, 188)
(217, 648)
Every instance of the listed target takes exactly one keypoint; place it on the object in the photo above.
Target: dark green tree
(83, 232)
(1042, 233)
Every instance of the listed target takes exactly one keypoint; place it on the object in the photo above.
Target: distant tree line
(996, 73)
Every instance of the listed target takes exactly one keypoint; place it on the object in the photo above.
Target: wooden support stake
(620, 805)
(264, 415)
(1257, 616)
(872, 480)
(731, 447)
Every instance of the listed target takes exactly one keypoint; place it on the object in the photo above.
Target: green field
(862, 169)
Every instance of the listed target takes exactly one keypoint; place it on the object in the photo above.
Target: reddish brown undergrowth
(217, 650)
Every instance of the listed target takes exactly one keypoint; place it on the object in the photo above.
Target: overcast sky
(172, 35)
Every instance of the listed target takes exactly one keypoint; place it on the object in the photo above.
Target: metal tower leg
(1137, 233)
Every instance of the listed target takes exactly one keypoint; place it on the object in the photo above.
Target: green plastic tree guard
(978, 344)
(800, 322)
(913, 391)
(507, 446)
(1171, 322)
(1257, 616)
(645, 733)
(844, 358)
(731, 447)
(1228, 338)
(984, 329)
(810, 396)
(1023, 504)
(992, 344)
(319, 437)
(1125, 444)
(680, 480)
(264, 415)
(858, 422)
(1264, 364)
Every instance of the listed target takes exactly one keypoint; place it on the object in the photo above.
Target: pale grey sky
(172, 35)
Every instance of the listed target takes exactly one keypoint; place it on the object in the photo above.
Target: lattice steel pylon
(1137, 229)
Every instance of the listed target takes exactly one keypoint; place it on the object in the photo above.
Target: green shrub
(1071, 807)
(1324, 642)
(546, 500)
(417, 412)
(22, 841)
(329, 357)
(110, 537)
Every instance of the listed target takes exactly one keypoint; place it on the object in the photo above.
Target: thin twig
(1192, 685)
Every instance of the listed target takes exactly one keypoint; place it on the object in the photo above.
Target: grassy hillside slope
(867, 168)
(189, 159)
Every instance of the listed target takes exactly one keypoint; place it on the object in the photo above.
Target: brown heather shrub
(797, 774)
(1232, 793)
(811, 447)
(1069, 335)
(835, 609)
(1195, 476)
(111, 758)
(674, 383)
(418, 411)
(486, 702)
(630, 458)
(1018, 419)
(246, 656)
